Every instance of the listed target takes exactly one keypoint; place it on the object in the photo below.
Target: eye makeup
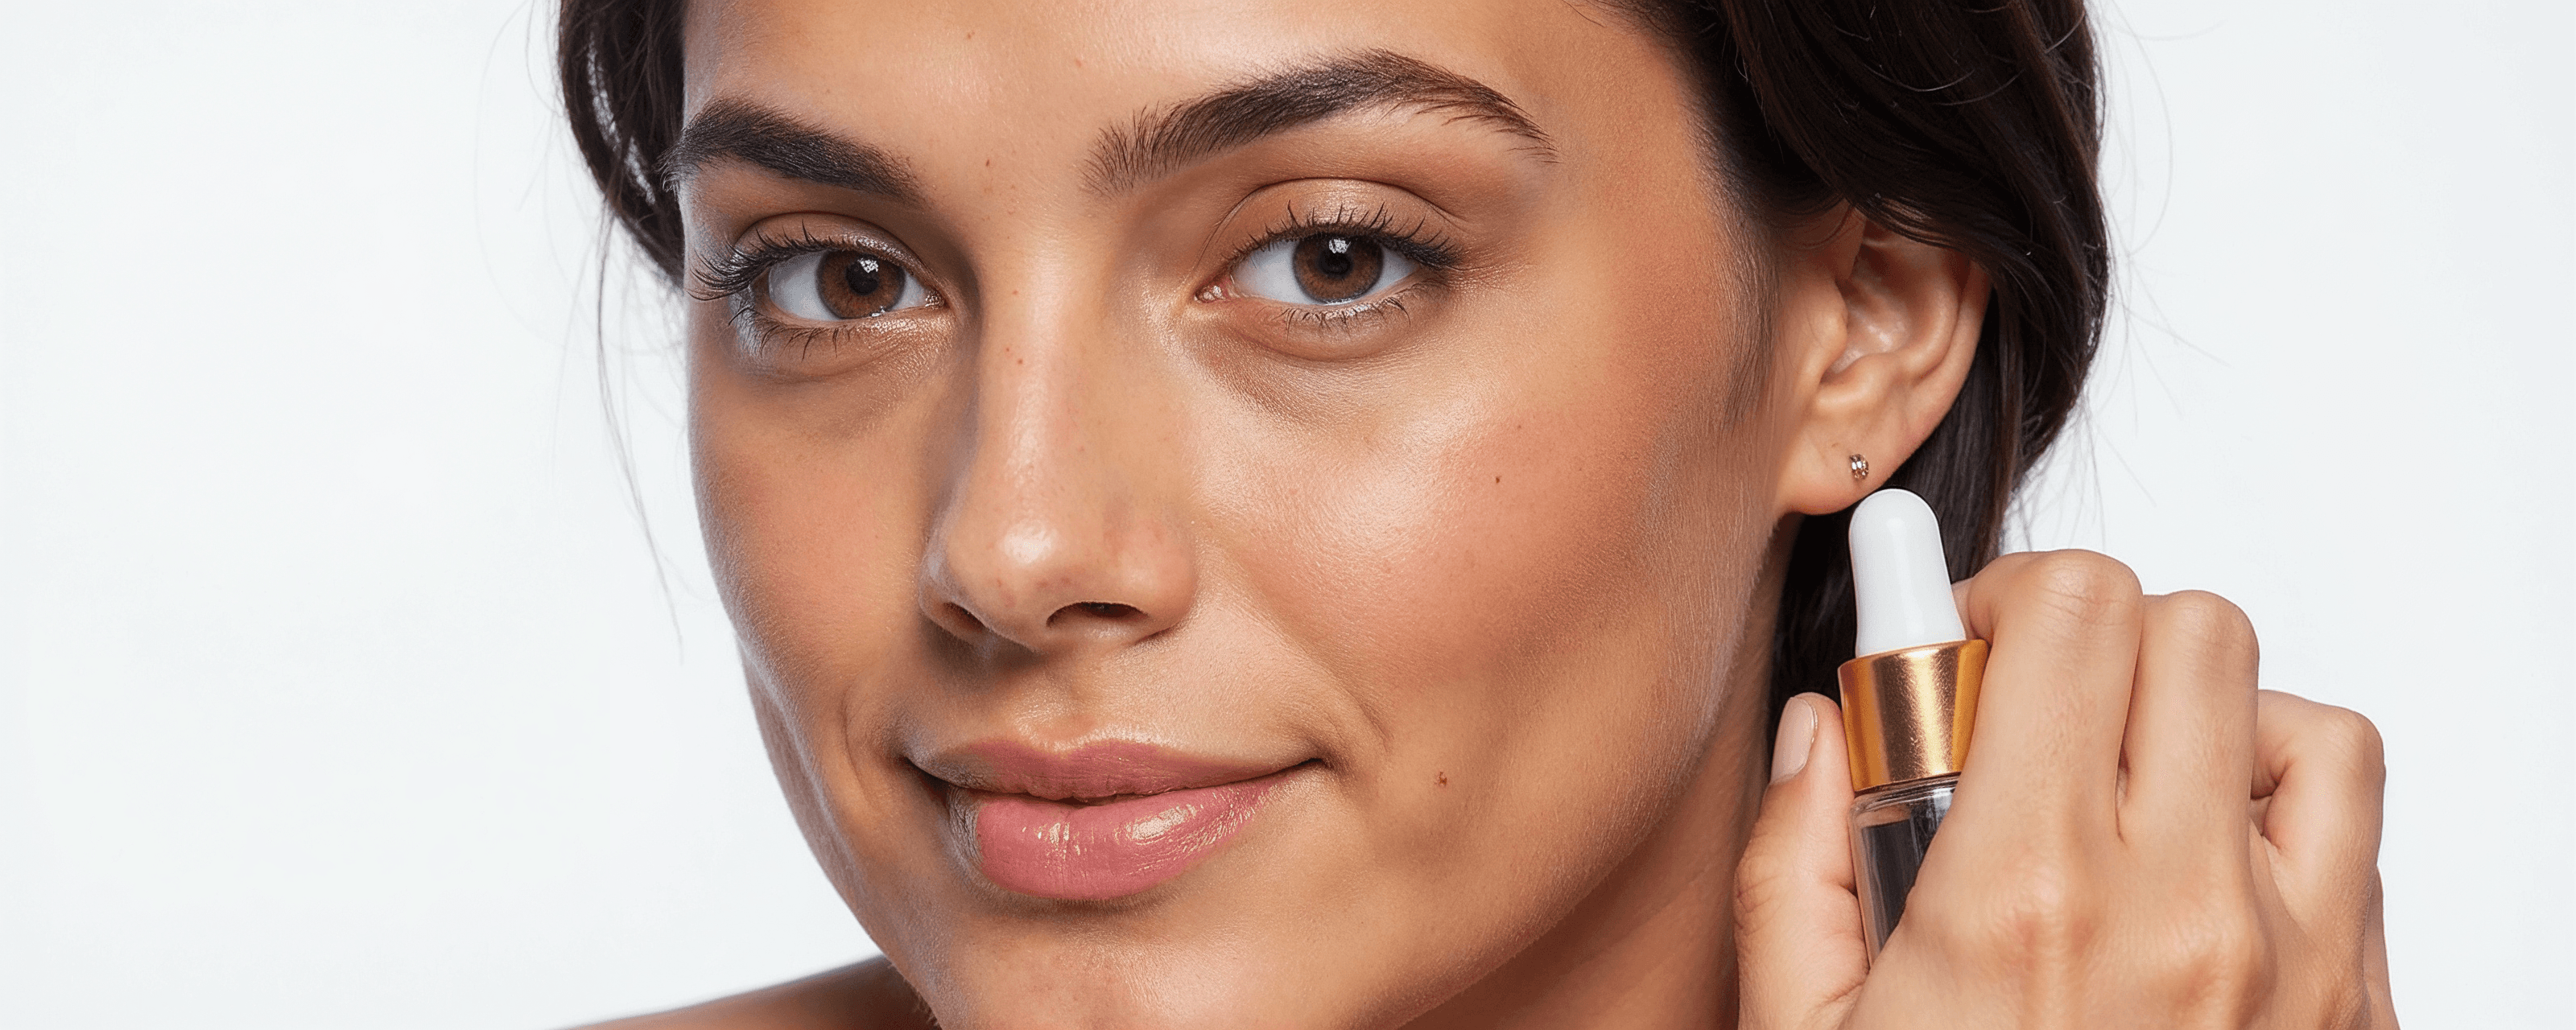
(1412, 236)
(1337, 268)
(1329, 271)
(800, 290)
(1310, 268)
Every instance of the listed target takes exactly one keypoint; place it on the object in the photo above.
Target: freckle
(1444, 779)
(1498, 479)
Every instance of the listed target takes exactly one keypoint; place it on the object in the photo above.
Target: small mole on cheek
(1498, 479)
(1444, 779)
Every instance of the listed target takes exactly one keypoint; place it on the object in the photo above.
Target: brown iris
(1332, 269)
(856, 284)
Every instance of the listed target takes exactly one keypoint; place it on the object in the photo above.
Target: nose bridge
(1062, 527)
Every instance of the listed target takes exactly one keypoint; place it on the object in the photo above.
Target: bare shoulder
(866, 996)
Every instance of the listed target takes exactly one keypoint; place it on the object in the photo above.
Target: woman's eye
(1326, 268)
(840, 285)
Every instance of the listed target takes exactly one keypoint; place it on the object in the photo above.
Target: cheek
(1529, 578)
(813, 534)
(813, 520)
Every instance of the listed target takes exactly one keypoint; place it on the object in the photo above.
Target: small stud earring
(1860, 469)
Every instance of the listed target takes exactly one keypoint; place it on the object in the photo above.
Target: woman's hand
(2141, 838)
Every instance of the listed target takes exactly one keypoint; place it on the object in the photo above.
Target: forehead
(998, 76)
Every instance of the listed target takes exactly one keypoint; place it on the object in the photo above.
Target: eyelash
(1431, 251)
(733, 275)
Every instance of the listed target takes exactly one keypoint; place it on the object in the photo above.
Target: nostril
(1106, 610)
(958, 621)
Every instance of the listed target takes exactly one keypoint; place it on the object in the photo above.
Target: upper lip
(1104, 769)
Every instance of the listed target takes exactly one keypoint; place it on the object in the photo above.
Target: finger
(2063, 630)
(2190, 739)
(2374, 962)
(1797, 923)
(2324, 771)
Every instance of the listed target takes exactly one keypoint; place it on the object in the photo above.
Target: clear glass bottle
(1909, 701)
(1891, 828)
(1907, 716)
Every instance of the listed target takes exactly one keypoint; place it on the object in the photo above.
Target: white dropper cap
(1901, 582)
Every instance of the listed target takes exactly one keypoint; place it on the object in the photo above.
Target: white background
(339, 686)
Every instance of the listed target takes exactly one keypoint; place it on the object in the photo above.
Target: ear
(1877, 332)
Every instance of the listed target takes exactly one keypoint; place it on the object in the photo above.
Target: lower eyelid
(1393, 302)
(760, 332)
(844, 343)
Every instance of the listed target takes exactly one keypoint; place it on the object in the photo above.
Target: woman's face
(1234, 511)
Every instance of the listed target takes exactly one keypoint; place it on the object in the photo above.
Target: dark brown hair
(1974, 126)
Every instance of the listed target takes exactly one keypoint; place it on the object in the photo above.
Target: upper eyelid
(743, 262)
(1433, 254)
(1433, 251)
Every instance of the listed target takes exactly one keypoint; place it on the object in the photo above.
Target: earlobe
(1881, 329)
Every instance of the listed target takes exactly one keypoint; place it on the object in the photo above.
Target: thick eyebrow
(1164, 141)
(788, 146)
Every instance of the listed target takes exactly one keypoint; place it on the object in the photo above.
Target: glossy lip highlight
(1098, 822)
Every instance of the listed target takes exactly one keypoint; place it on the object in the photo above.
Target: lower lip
(1076, 852)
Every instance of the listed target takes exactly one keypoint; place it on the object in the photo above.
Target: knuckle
(2208, 633)
(2355, 740)
(2086, 586)
(2222, 959)
(2207, 617)
(2039, 915)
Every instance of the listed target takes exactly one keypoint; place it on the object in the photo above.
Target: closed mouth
(1095, 823)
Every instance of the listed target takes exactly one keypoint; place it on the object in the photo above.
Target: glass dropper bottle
(1909, 700)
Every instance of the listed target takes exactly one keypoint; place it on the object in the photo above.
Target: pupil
(863, 278)
(1332, 269)
(856, 284)
(1336, 261)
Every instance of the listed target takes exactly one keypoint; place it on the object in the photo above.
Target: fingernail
(1797, 737)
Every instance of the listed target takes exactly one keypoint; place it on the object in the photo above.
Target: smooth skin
(1490, 566)
(2098, 869)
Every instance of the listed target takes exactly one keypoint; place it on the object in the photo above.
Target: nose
(1063, 528)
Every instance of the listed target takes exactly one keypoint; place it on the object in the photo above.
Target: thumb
(1797, 920)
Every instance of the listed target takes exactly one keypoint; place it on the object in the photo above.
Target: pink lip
(1144, 815)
